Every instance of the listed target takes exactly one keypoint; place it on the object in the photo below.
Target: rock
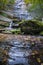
(8, 13)
(2, 37)
(2, 18)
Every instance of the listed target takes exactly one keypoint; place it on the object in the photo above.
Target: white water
(10, 26)
(17, 55)
(20, 10)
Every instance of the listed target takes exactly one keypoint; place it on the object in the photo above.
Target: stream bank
(20, 37)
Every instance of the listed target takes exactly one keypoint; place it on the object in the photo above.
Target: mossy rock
(41, 33)
(31, 27)
(4, 24)
(16, 31)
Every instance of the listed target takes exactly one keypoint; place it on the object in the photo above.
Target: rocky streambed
(21, 50)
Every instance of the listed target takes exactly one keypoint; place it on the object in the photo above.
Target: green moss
(41, 33)
(31, 27)
(3, 14)
(15, 31)
(4, 25)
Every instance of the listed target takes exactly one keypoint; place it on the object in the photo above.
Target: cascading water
(10, 26)
(20, 10)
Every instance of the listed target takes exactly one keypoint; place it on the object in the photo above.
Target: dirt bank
(4, 37)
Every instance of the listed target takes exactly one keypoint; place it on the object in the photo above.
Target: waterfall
(20, 10)
(10, 26)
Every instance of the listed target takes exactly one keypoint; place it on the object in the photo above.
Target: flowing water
(20, 10)
(10, 26)
(19, 53)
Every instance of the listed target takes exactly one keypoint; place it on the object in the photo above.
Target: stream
(16, 52)
(20, 53)
(20, 10)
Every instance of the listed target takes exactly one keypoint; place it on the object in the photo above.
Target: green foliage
(4, 3)
(13, 31)
(34, 1)
(16, 31)
(32, 27)
(41, 33)
(36, 7)
(39, 23)
(11, 1)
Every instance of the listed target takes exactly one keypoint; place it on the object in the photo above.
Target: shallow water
(19, 53)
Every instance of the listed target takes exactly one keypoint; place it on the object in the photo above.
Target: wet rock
(2, 18)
